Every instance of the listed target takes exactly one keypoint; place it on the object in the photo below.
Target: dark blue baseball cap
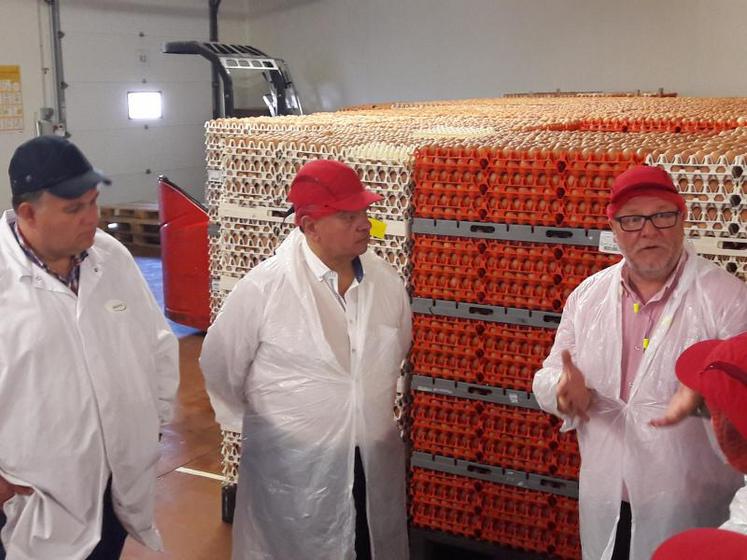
(55, 164)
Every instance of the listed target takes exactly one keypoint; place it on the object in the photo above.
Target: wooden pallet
(135, 224)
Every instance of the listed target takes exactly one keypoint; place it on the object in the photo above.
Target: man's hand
(8, 490)
(684, 402)
(573, 396)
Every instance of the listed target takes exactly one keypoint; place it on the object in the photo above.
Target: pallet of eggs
(501, 236)
(494, 209)
(479, 282)
(255, 168)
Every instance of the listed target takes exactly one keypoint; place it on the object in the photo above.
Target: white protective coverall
(85, 383)
(674, 476)
(266, 358)
(738, 511)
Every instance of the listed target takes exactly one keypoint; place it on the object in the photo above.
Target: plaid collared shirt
(72, 280)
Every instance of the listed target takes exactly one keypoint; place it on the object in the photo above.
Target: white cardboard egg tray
(257, 168)
(213, 193)
(734, 265)
(393, 182)
(230, 451)
(213, 158)
(729, 253)
(217, 297)
(252, 191)
(394, 249)
(214, 256)
(249, 181)
(719, 181)
(245, 242)
(264, 190)
(716, 220)
(249, 235)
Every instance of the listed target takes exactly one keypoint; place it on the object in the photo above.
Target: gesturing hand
(572, 394)
(683, 403)
(8, 490)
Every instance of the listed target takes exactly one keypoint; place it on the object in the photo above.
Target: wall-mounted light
(144, 104)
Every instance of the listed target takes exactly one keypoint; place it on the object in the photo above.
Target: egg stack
(494, 212)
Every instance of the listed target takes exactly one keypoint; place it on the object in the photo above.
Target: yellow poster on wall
(11, 100)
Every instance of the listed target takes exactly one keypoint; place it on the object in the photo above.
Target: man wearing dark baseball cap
(307, 351)
(88, 368)
(716, 372)
(53, 164)
(611, 375)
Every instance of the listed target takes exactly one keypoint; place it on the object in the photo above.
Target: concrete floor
(187, 505)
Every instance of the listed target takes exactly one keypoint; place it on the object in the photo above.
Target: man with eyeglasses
(610, 376)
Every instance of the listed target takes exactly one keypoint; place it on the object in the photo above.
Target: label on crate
(378, 228)
(214, 175)
(607, 243)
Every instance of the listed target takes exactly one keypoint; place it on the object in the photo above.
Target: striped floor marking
(203, 474)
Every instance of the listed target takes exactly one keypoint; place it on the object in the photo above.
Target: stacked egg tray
(479, 352)
(490, 433)
(494, 210)
(565, 188)
(506, 273)
(249, 221)
(714, 191)
(481, 509)
(487, 298)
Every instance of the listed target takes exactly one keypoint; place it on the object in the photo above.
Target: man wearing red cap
(307, 350)
(610, 376)
(715, 371)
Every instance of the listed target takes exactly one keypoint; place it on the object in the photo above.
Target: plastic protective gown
(674, 477)
(738, 511)
(266, 358)
(85, 383)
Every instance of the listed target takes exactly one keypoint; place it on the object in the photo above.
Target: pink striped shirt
(638, 321)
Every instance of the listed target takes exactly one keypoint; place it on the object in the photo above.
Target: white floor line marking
(203, 474)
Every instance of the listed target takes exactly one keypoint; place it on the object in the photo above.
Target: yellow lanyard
(636, 309)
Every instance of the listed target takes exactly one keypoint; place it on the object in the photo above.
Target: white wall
(344, 52)
(112, 47)
(101, 49)
(21, 44)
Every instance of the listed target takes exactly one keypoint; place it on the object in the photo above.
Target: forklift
(184, 220)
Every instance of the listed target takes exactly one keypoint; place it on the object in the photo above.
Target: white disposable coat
(85, 383)
(266, 358)
(674, 477)
(738, 511)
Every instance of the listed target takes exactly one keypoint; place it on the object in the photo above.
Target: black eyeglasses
(661, 220)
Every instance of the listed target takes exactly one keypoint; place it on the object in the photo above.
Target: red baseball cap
(643, 180)
(704, 543)
(717, 369)
(323, 187)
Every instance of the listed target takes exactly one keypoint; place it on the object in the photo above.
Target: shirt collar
(71, 280)
(674, 276)
(320, 270)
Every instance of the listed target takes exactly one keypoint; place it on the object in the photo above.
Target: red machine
(184, 250)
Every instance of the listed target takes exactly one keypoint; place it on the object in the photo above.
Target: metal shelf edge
(500, 475)
(474, 391)
(492, 313)
(507, 232)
